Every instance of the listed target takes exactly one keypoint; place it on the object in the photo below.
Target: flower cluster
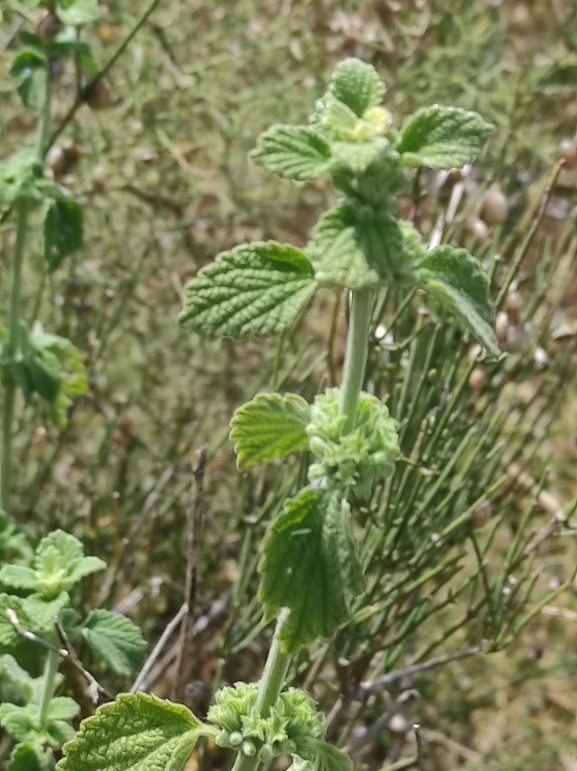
(358, 457)
(289, 727)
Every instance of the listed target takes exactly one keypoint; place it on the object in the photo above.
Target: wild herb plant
(48, 369)
(30, 712)
(310, 569)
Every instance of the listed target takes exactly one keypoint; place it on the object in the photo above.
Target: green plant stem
(356, 354)
(50, 669)
(22, 209)
(13, 347)
(275, 670)
(271, 684)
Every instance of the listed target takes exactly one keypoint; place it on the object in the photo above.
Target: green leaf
(356, 157)
(321, 756)
(29, 72)
(39, 613)
(357, 85)
(63, 231)
(255, 289)
(77, 12)
(18, 577)
(269, 426)
(19, 175)
(310, 565)
(356, 247)
(31, 757)
(456, 279)
(413, 247)
(297, 152)
(137, 731)
(60, 562)
(63, 708)
(21, 683)
(442, 137)
(22, 179)
(116, 640)
(23, 723)
(8, 635)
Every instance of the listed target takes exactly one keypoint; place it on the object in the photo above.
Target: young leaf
(60, 562)
(321, 756)
(356, 247)
(63, 231)
(77, 12)
(115, 639)
(18, 577)
(39, 613)
(442, 137)
(310, 565)
(255, 289)
(297, 152)
(357, 85)
(459, 283)
(8, 634)
(63, 708)
(29, 72)
(31, 757)
(269, 426)
(23, 723)
(137, 731)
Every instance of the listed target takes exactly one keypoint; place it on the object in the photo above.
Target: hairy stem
(275, 669)
(271, 684)
(356, 354)
(50, 670)
(13, 348)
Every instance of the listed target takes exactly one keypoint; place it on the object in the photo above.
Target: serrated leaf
(255, 289)
(39, 613)
(356, 247)
(443, 137)
(297, 152)
(29, 72)
(138, 731)
(23, 723)
(115, 639)
(270, 426)
(457, 280)
(27, 756)
(63, 708)
(77, 12)
(18, 577)
(321, 756)
(60, 562)
(63, 231)
(8, 634)
(310, 565)
(357, 85)
(357, 156)
(22, 684)
(413, 247)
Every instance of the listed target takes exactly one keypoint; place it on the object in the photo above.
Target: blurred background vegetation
(470, 547)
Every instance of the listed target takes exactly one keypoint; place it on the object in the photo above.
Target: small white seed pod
(478, 379)
(502, 327)
(515, 338)
(495, 207)
(478, 229)
(568, 154)
(514, 307)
